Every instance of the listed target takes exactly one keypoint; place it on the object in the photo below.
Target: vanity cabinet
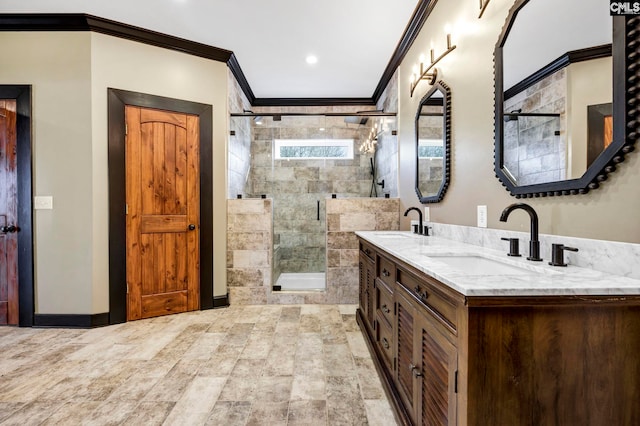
(413, 337)
(449, 359)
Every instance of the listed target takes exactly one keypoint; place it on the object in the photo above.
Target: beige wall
(588, 83)
(126, 65)
(468, 70)
(58, 67)
(70, 74)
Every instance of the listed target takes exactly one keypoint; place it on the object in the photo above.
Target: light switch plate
(482, 216)
(43, 202)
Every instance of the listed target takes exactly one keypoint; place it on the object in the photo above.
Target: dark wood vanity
(449, 359)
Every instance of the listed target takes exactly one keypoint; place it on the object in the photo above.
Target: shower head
(354, 119)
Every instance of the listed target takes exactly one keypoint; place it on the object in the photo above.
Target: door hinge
(126, 129)
(455, 384)
(127, 288)
(126, 209)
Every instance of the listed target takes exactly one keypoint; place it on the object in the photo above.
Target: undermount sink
(392, 235)
(479, 265)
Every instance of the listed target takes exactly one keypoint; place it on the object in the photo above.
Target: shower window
(430, 148)
(316, 149)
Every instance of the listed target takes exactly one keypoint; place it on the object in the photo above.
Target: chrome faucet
(419, 217)
(534, 244)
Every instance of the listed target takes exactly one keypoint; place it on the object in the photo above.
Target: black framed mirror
(546, 94)
(433, 140)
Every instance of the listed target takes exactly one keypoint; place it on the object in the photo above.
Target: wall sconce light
(422, 73)
(483, 6)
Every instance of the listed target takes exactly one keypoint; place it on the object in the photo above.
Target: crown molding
(86, 22)
(419, 17)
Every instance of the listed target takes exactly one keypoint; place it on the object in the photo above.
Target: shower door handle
(318, 217)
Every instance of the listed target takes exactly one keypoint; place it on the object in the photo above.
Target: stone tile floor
(242, 365)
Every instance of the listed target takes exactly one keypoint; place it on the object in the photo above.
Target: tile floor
(242, 365)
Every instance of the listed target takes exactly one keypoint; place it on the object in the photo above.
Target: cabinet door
(438, 366)
(407, 353)
(426, 364)
(366, 291)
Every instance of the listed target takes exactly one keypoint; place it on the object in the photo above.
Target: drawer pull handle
(385, 273)
(385, 309)
(367, 251)
(422, 295)
(415, 371)
(385, 343)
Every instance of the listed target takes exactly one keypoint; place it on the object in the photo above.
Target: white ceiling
(353, 39)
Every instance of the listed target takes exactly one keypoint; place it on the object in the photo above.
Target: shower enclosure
(535, 147)
(299, 160)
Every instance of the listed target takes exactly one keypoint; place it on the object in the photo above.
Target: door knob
(9, 229)
(192, 227)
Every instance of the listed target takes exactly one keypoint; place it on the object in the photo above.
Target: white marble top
(478, 271)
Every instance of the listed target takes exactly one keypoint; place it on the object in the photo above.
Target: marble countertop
(478, 271)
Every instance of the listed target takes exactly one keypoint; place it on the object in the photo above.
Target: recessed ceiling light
(312, 59)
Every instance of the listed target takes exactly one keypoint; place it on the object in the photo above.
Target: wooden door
(163, 207)
(8, 214)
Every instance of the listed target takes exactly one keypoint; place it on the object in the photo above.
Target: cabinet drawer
(384, 342)
(367, 250)
(429, 296)
(384, 302)
(386, 271)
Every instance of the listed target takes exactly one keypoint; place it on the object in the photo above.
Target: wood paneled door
(163, 212)
(8, 214)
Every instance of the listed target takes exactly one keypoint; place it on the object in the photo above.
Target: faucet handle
(514, 246)
(557, 254)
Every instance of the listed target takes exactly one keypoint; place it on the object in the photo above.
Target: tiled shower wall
(249, 254)
(344, 217)
(533, 153)
(299, 187)
(387, 148)
(301, 239)
(240, 142)
(249, 251)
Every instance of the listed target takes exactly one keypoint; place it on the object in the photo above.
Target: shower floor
(301, 281)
